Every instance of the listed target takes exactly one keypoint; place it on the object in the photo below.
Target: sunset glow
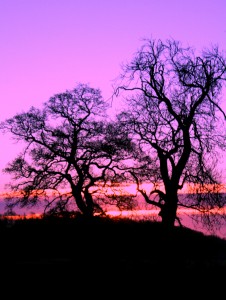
(40, 59)
(92, 42)
(134, 214)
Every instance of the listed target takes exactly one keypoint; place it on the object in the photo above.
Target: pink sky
(47, 46)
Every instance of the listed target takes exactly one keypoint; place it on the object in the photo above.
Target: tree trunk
(89, 202)
(86, 207)
(168, 212)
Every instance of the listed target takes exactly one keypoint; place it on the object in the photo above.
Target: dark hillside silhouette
(112, 255)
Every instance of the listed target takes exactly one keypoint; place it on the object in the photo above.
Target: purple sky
(47, 46)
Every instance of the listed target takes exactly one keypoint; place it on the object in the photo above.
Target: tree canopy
(68, 156)
(174, 112)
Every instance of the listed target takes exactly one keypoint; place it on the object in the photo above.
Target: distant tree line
(168, 134)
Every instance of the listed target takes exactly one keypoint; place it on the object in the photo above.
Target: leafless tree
(68, 156)
(174, 113)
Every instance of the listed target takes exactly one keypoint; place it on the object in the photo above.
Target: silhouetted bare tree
(174, 113)
(68, 152)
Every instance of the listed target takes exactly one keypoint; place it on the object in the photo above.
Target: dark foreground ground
(109, 259)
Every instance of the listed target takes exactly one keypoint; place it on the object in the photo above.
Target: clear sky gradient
(47, 46)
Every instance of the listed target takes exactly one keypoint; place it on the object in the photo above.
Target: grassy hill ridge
(65, 238)
(110, 252)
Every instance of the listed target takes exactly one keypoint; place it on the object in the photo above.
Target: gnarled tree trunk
(86, 207)
(168, 211)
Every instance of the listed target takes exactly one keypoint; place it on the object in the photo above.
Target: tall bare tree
(68, 155)
(174, 113)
